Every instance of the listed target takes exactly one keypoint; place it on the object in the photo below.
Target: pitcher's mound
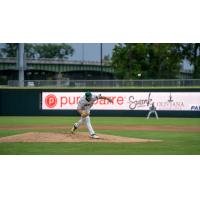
(66, 137)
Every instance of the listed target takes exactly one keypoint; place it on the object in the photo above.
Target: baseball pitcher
(84, 105)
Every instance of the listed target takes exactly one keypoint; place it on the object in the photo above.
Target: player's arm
(106, 98)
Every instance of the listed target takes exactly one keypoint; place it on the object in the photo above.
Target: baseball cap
(88, 94)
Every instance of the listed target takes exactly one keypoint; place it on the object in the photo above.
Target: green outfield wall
(28, 102)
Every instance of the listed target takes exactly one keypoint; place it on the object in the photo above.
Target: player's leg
(77, 124)
(90, 129)
(156, 114)
(148, 115)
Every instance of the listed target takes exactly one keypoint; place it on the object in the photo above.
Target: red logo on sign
(51, 101)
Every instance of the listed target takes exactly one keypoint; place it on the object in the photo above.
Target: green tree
(39, 50)
(150, 60)
(129, 60)
(191, 51)
(164, 60)
(54, 50)
(9, 50)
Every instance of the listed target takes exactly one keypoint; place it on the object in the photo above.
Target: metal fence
(107, 83)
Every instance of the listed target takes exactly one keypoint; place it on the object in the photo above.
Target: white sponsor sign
(125, 100)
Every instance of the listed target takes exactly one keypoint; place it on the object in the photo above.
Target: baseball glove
(84, 114)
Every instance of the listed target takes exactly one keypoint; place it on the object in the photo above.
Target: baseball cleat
(73, 129)
(94, 136)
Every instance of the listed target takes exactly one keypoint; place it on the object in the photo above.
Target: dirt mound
(64, 137)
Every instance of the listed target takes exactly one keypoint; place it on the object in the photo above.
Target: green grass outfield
(173, 143)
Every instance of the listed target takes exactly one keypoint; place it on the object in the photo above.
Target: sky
(91, 51)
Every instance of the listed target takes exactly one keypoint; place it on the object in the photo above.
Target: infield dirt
(66, 137)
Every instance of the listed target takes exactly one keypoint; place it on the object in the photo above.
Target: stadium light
(83, 52)
(20, 63)
(101, 59)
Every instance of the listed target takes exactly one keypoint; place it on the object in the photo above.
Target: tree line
(154, 61)
(36, 51)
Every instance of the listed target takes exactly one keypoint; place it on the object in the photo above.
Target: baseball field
(118, 136)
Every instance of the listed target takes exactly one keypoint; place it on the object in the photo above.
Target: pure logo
(51, 101)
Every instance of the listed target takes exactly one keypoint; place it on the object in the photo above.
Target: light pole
(83, 52)
(20, 63)
(101, 59)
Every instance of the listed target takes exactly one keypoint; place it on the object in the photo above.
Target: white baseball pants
(87, 122)
(156, 114)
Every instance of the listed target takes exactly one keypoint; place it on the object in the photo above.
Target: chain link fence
(107, 83)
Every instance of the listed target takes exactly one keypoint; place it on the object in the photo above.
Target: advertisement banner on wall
(168, 101)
